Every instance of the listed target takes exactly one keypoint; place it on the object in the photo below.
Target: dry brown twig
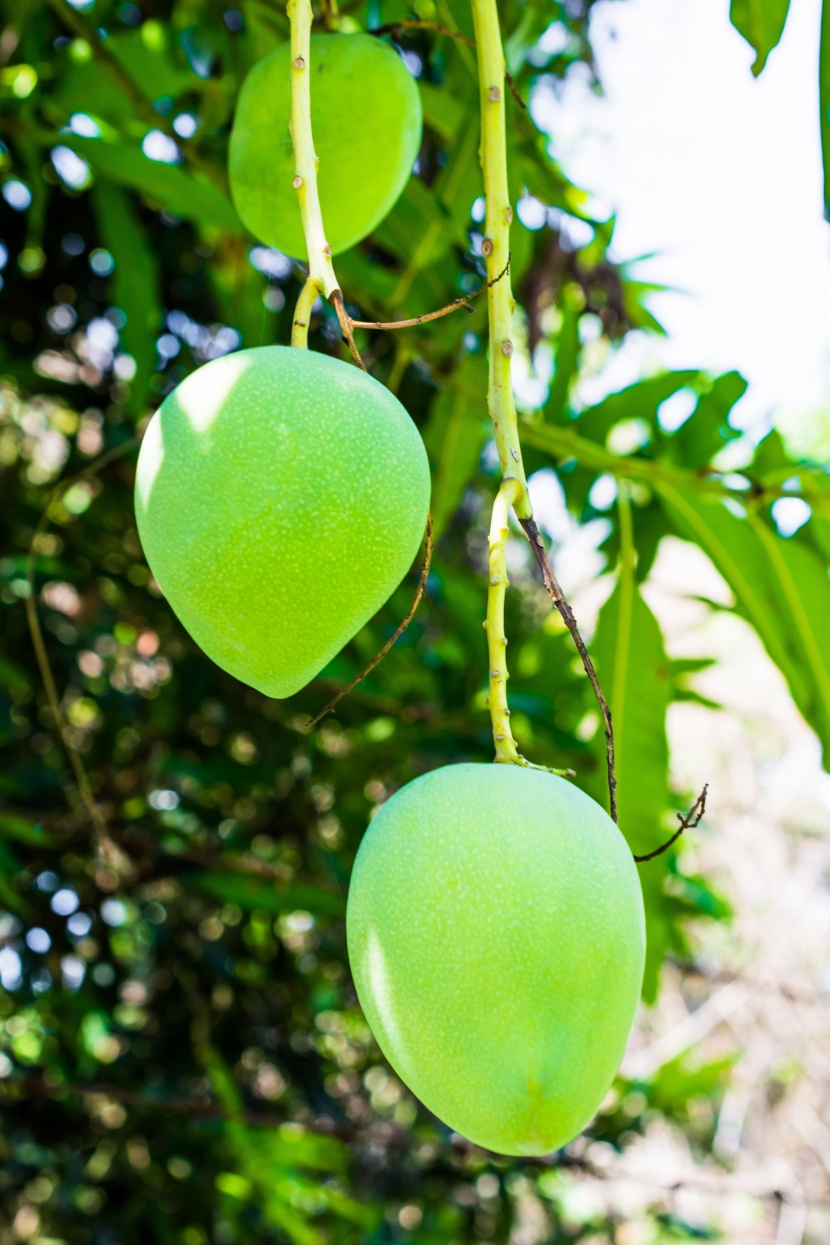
(558, 597)
(391, 27)
(688, 822)
(348, 325)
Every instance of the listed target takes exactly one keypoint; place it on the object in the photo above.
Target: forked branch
(692, 819)
(455, 305)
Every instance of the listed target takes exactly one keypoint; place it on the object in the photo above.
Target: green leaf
(781, 587)
(442, 112)
(638, 401)
(13, 826)
(824, 100)
(146, 54)
(635, 674)
(251, 892)
(136, 284)
(761, 22)
(455, 435)
(706, 432)
(180, 192)
(417, 231)
(567, 352)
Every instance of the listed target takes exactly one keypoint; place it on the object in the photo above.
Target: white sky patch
(721, 175)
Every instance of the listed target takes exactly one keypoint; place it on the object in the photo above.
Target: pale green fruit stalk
(366, 118)
(281, 496)
(496, 937)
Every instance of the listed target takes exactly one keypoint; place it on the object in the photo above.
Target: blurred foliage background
(182, 1058)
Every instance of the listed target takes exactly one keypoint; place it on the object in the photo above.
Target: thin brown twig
(689, 822)
(432, 315)
(402, 626)
(558, 597)
(391, 27)
(106, 844)
(345, 319)
(514, 90)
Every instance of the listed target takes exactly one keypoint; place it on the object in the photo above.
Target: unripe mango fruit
(366, 121)
(496, 937)
(281, 496)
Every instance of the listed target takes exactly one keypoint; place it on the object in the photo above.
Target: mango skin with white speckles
(496, 937)
(367, 120)
(281, 497)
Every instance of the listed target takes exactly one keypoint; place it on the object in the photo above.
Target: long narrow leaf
(761, 22)
(781, 587)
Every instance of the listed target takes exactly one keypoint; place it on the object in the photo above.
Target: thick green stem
(321, 270)
(302, 313)
(496, 250)
(496, 245)
(506, 749)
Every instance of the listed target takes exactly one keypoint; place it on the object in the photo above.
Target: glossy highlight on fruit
(281, 496)
(496, 938)
(366, 119)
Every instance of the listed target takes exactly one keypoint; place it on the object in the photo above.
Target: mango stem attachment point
(321, 269)
(506, 749)
(302, 313)
(492, 76)
(506, 497)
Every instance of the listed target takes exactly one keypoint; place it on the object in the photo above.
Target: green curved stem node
(302, 313)
(506, 749)
(496, 246)
(321, 269)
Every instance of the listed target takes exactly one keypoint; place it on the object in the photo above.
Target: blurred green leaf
(251, 892)
(780, 587)
(634, 671)
(182, 193)
(136, 285)
(761, 22)
(455, 435)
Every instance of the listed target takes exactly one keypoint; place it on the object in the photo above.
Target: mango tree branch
(563, 444)
(506, 750)
(496, 246)
(321, 276)
(692, 819)
(455, 305)
(496, 250)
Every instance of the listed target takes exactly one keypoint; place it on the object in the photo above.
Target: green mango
(366, 118)
(281, 496)
(497, 940)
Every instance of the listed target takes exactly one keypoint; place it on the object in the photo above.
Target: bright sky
(721, 174)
